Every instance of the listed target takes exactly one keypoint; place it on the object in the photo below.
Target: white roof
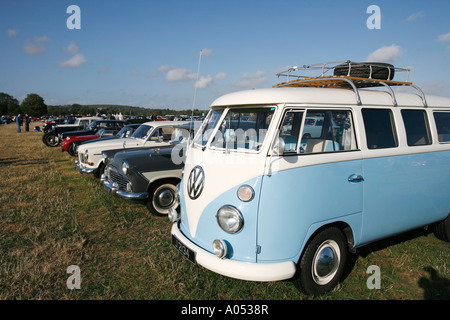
(327, 96)
(164, 123)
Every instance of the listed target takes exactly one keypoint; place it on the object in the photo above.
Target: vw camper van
(264, 198)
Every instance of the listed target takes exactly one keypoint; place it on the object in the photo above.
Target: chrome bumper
(113, 188)
(82, 169)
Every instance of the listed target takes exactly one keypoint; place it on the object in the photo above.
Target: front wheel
(322, 264)
(162, 198)
(72, 150)
(51, 140)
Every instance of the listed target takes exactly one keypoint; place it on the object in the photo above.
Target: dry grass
(52, 217)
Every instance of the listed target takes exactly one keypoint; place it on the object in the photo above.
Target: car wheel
(162, 198)
(52, 140)
(71, 150)
(442, 230)
(322, 264)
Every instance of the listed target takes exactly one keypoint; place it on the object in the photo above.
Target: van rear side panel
(404, 192)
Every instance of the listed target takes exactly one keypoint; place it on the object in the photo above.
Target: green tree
(8, 104)
(34, 105)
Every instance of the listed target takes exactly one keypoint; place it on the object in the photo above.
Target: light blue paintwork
(397, 194)
(404, 192)
(295, 202)
(242, 245)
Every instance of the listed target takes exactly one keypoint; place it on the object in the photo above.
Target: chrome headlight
(230, 219)
(125, 166)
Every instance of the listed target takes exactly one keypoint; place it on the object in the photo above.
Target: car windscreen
(142, 132)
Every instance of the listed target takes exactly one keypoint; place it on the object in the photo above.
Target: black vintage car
(94, 127)
(51, 134)
(148, 175)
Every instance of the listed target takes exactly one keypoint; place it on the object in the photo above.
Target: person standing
(19, 122)
(27, 122)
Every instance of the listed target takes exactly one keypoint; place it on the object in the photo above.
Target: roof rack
(348, 74)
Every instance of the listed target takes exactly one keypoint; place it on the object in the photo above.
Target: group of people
(20, 120)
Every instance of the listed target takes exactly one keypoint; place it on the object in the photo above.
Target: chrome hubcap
(326, 262)
(165, 198)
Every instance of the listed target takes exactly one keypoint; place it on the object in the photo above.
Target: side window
(416, 126)
(328, 131)
(442, 120)
(84, 123)
(290, 130)
(321, 131)
(380, 132)
(163, 132)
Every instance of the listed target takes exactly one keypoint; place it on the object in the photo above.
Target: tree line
(35, 106)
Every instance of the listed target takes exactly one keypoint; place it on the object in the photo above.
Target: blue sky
(146, 53)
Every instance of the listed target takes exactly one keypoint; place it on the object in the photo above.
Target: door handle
(355, 178)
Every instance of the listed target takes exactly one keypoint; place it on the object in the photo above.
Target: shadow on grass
(25, 162)
(435, 287)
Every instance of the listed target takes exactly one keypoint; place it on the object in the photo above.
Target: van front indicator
(230, 219)
(245, 193)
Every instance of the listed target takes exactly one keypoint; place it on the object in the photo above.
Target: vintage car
(103, 134)
(149, 134)
(94, 127)
(68, 145)
(148, 175)
(51, 134)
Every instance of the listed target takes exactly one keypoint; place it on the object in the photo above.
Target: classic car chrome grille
(114, 176)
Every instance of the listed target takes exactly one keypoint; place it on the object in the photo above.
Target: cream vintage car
(149, 134)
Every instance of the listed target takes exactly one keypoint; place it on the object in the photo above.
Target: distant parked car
(148, 175)
(51, 134)
(68, 144)
(94, 127)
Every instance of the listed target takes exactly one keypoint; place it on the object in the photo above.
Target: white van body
(259, 213)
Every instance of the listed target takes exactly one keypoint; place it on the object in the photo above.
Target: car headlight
(125, 166)
(230, 219)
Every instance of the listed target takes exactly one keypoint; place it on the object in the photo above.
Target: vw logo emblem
(196, 182)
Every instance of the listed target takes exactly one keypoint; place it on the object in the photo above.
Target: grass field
(52, 217)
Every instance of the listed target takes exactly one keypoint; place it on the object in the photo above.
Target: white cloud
(164, 68)
(12, 32)
(71, 48)
(203, 82)
(251, 80)
(220, 76)
(415, 16)
(180, 74)
(385, 54)
(206, 52)
(36, 46)
(74, 62)
(444, 37)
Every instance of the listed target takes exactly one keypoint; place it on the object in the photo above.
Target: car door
(314, 181)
